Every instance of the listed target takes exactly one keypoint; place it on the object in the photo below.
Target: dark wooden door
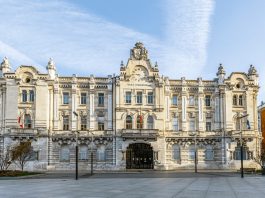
(139, 156)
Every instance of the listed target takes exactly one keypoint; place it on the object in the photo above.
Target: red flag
(141, 116)
(20, 123)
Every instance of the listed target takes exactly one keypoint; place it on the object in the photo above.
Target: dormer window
(27, 80)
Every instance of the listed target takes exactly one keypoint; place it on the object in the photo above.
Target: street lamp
(76, 154)
(195, 157)
(92, 154)
(241, 146)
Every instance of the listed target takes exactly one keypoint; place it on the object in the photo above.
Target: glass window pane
(128, 97)
(83, 98)
(191, 124)
(66, 98)
(150, 98)
(101, 153)
(175, 124)
(101, 99)
(191, 100)
(139, 97)
(175, 100)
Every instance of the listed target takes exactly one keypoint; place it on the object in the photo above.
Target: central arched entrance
(139, 156)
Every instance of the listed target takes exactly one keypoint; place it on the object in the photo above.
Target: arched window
(234, 100)
(83, 152)
(209, 152)
(240, 101)
(27, 122)
(65, 153)
(192, 151)
(101, 153)
(237, 153)
(176, 152)
(128, 122)
(150, 122)
(24, 96)
(139, 122)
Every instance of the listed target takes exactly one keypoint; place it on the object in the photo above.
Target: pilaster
(92, 102)
(56, 107)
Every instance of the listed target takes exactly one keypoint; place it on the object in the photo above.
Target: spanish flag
(20, 122)
(141, 116)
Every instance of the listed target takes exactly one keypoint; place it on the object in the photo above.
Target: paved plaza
(150, 184)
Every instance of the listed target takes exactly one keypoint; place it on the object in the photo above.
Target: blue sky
(188, 38)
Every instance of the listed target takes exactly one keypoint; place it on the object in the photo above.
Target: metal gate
(139, 156)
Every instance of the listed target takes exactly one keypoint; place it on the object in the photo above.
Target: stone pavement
(99, 186)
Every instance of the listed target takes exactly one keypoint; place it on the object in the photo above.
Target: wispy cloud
(83, 43)
(187, 32)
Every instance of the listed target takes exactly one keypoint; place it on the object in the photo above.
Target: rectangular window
(150, 98)
(240, 101)
(31, 96)
(207, 101)
(100, 123)
(65, 123)
(139, 97)
(208, 124)
(191, 100)
(83, 98)
(101, 99)
(128, 97)
(83, 123)
(66, 98)
(24, 96)
(191, 124)
(175, 100)
(175, 124)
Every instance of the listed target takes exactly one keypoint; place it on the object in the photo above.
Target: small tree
(6, 157)
(22, 153)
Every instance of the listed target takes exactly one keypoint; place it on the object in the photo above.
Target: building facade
(139, 119)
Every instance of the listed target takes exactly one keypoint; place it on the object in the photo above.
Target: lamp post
(92, 154)
(195, 156)
(241, 146)
(76, 153)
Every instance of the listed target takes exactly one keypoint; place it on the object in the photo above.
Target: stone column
(109, 102)
(200, 105)
(56, 107)
(184, 116)
(4, 108)
(74, 104)
(92, 102)
(217, 114)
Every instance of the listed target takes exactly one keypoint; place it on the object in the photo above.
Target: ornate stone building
(139, 119)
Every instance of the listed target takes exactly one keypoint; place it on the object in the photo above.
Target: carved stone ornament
(183, 81)
(208, 115)
(220, 70)
(51, 65)
(252, 70)
(5, 63)
(192, 114)
(65, 113)
(83, 113)
(200, 81)
(139, 52)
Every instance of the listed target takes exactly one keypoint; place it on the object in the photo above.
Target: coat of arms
(139, 52)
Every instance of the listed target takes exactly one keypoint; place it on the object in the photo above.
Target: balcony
(140, 134)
